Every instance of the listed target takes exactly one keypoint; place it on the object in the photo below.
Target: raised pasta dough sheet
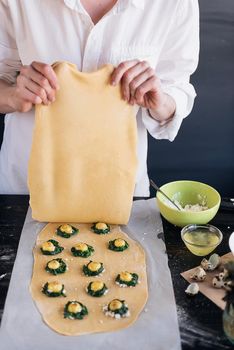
(83, 160)
(132, 260)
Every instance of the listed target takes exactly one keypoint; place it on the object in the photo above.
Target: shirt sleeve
(178, 60)
(9, 57)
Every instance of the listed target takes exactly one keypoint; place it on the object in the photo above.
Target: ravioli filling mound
(97, 289)
(82, 250)
(81, 246)
(93, 268)
(51, 247)
(54, 289)
(117, 309)
(53, 264)
(66, 230)
(56, 266)
(48, 246)
(118, 245)
(74, 310)
(100, 228)
(119, 242)
(127, 279)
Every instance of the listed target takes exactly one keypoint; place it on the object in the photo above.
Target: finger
(139, 80)
(30, 96)
(129, 75)
(120, 70)
(48, 72)
(34, 88)
(24, 106)
(149, 85)
(31, 73)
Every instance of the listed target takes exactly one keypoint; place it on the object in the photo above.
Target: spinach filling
(100, 231)
(122, 311)
(62, 231)
(96, 293)
(88, 271)
(75, 315)
(61, 269)
(132, 283)
(112, 245)
(53, 294)
(83, 253)
(58, 249)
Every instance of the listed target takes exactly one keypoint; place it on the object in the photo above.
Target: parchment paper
(156, 328)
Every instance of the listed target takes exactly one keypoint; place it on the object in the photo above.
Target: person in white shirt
(154, 46)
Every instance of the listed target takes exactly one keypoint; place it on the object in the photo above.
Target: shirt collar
(139, 3)
(121, 4)
(73, 4)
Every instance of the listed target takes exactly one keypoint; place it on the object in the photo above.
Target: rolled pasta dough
(75, 282)
(83, 159)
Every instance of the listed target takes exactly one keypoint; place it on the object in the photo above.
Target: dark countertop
(199, 319)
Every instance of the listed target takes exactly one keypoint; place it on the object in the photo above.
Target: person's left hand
(139, 84)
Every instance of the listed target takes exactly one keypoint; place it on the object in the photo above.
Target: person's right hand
(36, 84)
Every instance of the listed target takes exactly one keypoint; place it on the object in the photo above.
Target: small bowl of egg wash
(201, 240)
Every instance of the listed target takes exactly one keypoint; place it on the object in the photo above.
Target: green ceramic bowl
(188, 192)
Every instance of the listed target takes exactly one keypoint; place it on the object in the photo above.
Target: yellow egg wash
(202, 243)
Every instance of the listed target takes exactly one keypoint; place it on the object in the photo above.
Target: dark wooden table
(199, 319)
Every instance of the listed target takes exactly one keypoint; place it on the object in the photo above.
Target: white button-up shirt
(163, 32)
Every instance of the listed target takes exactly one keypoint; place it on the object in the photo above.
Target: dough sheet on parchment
(83, 160)
(51, 309)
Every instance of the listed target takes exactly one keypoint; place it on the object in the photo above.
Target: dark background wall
(204, 147)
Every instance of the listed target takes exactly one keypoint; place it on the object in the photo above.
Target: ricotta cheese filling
(48, 246)
(53, 264)
(66, 228)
